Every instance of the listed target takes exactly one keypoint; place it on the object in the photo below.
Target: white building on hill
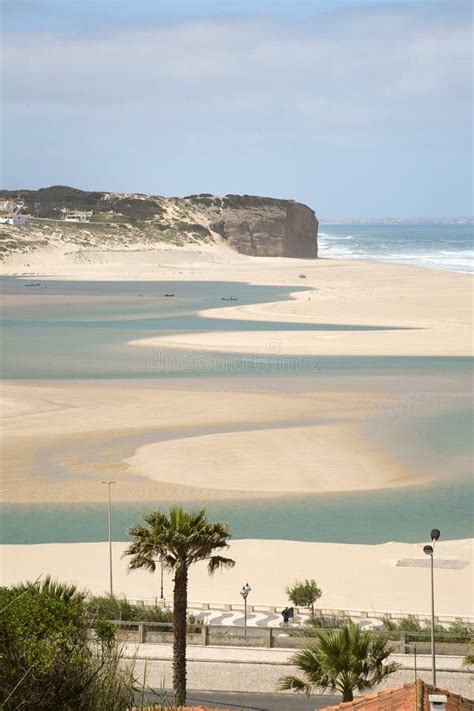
(78, 216)
(12, 219)
(10, 213)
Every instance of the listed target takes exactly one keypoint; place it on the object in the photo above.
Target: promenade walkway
(258, 670)
(269, 619)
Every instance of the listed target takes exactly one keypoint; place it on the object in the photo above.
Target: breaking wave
(446, 247)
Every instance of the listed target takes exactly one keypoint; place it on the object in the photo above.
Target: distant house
(417, 696)
(12, 219)
(78, 216)
(10, 206)
(10, 213)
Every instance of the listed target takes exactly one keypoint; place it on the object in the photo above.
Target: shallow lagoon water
(394, 514)
(80, 330)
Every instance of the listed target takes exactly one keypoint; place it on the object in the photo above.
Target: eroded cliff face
(264, 227)
(257, 226)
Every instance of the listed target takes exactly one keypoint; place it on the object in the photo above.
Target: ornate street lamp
(245, 593)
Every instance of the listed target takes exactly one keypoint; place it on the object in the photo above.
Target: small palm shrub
(346, 660)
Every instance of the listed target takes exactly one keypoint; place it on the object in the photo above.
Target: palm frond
(294, 683)
(178, 539)
(53, 588)
(218, 561)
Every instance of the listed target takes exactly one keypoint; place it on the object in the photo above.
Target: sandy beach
(62, 438)
(355, 577)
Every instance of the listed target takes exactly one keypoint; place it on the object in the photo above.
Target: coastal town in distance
(236, 360)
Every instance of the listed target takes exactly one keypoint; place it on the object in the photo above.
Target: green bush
(110, 607)
(48, 659)
(304, 594)
(420, 631)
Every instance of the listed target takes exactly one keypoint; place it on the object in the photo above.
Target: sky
(358, 109)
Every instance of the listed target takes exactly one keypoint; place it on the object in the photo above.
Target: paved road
(242, 701)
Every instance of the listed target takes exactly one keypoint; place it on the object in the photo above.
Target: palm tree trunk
(347, 695)
(180, 604)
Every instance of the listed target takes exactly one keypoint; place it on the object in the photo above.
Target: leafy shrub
(304, 594)
(47, 657)
(110, 607)
(420, 631)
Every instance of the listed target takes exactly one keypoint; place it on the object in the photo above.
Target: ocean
(447, 247)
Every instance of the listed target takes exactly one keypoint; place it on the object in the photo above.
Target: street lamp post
(429, 550)
(245, 593)
(111, 587)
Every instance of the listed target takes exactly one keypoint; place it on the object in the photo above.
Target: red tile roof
(409, 697)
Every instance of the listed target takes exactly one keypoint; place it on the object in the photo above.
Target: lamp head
(428, 549)
(435, 534)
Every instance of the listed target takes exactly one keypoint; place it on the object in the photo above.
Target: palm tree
(345, 660)
(179, 539)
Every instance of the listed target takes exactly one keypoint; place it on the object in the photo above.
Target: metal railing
(448, 643)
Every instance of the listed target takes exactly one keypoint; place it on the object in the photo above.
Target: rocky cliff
(262, 227)
(252, 225)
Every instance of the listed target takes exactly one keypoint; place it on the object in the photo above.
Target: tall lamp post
(245, 593)
(429, 550)
(109, 484)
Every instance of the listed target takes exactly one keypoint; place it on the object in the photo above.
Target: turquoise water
(80, 330)
(372, 517)
(440, 442)
(447, 247)
(76, 330)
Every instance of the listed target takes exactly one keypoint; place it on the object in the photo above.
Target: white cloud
(372, 70)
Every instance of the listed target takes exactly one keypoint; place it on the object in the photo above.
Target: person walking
(286, 614)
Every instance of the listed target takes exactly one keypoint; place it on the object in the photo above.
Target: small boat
(36, 283)
(169, 294)
(229, 298)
